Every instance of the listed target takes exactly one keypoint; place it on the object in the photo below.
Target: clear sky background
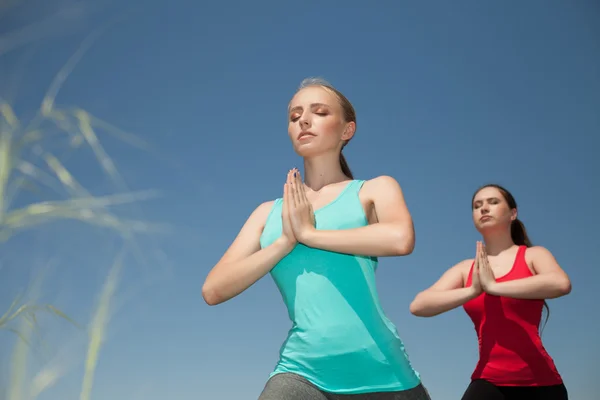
(449, 96)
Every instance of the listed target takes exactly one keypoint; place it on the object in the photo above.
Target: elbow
(403, 245)
(564, 287)
(417, 309)
(210, 296)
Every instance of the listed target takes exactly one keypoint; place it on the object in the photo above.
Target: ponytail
(345, 167)
(518, 233)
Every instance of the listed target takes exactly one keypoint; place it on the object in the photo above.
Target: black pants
(480, 389)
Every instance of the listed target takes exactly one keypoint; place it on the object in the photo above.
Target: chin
(489, 226)
(307, 150)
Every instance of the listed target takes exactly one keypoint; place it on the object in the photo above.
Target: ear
(349, 131)
(513, 214)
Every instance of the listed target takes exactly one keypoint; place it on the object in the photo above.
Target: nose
(304, 122)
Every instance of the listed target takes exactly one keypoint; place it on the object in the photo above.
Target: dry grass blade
(61, 314)
(65, 177)
(18, 370)
(8, 115)
(44, 380)
(119, 133)
(85, 125)
(4, 318)
(5, 168)
(98, 329)
(89, 209)
(16, 173)
(20, 335)
(21, 310)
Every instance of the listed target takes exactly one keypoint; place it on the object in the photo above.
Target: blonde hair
(348, 112)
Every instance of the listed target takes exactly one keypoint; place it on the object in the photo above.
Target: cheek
(329, 126)
(293, 130)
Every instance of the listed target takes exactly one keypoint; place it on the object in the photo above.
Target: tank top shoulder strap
(521, 266)
(275, 208)
(470, 274)
(350, 192)
(355, 185)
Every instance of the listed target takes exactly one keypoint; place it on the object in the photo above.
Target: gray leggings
(287, 386)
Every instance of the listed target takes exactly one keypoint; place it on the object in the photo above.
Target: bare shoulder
(535, 251)
(382, 182)
(258, 217)
(383, 185)
(262, 211)
(454, 277)
(464, 268)
(540, 259)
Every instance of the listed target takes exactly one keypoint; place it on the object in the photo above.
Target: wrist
(284, 245)
(492, 288)
(307, 235)
(474, 291)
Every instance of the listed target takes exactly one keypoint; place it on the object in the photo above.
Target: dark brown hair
(348, 112)
(518, 233)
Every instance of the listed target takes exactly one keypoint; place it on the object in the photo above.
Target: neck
(323, 170)
(497, 242)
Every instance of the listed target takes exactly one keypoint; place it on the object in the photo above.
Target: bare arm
(392, 235)
(446, 294)
(244, 262)
(549, 281)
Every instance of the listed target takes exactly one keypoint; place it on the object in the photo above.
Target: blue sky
(448, 97)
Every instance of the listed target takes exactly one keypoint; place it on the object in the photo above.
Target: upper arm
(247, 240)
(543, 262)
(389, 204)
(454, 278)
(388, 199)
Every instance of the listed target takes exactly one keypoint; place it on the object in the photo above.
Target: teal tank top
(340, 339)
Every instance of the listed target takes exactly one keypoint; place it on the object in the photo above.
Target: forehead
(313, 94)
(487, 193)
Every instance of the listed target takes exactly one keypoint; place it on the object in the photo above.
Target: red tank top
(510, 348)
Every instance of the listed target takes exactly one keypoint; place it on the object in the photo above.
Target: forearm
(543, 286)
(376, 240)
(430, 303)
(230, 279)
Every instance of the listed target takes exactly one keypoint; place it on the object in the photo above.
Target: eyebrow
(313, 105)
(488, 198)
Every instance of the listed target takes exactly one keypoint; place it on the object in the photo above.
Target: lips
(305, 134)
(485, 218)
